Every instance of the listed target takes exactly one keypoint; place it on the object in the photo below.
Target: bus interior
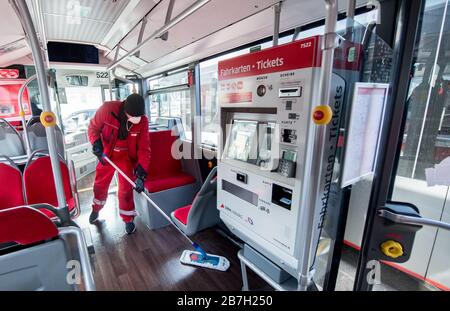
(307, 142)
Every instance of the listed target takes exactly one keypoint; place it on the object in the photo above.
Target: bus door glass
(404, 256)
(424, 164)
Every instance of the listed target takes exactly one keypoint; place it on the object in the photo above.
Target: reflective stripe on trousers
(99, 202)
(127, 213)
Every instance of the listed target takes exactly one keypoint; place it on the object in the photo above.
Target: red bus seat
(182, 214)
(39, 262)
(25, 225)
(203, 212)
(40, 186)
(11, 186)
(165, 172)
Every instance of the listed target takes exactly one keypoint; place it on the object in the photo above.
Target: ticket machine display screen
(251, 142)
(266, 142)
(242, 142)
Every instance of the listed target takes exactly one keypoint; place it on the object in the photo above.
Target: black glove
(141, 175)
(140, 183)
(97, 149)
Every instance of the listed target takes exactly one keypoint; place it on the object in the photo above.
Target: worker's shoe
(130, 227)
(93, 217)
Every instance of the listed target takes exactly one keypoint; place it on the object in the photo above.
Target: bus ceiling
(117, 28)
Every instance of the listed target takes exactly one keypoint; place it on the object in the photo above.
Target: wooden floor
(149, 259)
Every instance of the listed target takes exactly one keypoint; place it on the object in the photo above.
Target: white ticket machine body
(265, 155)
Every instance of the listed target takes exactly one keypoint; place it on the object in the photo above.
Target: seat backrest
(203, 212)
(33, 119)
(39, 183)
(162, 162)
(210, 183)
(11, 186)
(38, 137)
(11, 143)
(25, 225)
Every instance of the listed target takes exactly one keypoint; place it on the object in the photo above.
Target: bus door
(406, 234)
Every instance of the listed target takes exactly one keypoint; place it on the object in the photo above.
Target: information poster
(363, 132)
(9, 103)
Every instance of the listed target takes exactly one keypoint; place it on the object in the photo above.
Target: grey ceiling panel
(80, 20)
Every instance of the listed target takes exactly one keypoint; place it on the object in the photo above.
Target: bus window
(210, 127)
(173, 105)
(171, 97)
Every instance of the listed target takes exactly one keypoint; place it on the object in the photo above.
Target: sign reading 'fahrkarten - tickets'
(296, 55)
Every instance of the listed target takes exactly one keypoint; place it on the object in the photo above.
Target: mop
(194, 258)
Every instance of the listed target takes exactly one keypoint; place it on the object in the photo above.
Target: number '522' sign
(102, 75)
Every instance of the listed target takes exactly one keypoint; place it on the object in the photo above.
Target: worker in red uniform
(120, 131)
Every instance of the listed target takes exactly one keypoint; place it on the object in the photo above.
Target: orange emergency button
(322, 115)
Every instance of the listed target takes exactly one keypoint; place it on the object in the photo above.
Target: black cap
(135, 105)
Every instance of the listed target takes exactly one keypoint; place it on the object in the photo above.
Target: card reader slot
(282, 196)
(283, 91)
(290, 92)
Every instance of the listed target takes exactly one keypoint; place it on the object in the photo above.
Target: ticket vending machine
(266, 112)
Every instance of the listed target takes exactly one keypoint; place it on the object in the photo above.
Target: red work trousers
(103, 177)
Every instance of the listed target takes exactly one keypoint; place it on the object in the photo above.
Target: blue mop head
(204, 260)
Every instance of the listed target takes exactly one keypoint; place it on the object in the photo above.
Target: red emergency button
(318, 115)
(322, 115)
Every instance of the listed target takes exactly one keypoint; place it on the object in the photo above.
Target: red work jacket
(105, 125)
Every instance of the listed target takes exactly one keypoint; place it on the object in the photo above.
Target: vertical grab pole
(112, 73)
(22, 113)
(48, 118)
(110, 84)
(351, 5)
(276, 23)
(328, 45)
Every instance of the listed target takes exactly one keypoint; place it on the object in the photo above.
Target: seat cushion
(156, 184)
(182, 213)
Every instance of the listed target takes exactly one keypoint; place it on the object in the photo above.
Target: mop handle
(195, 245)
